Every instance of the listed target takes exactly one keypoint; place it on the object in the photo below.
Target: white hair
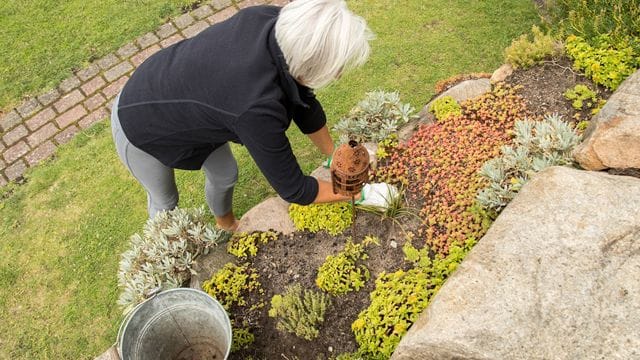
(320, 39)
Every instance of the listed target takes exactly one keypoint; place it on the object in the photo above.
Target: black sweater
(228, 83)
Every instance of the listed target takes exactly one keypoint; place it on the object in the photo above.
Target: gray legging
(220, 170)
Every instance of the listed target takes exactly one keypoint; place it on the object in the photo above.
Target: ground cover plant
(439, 165)
(375, 118)
(64, 228)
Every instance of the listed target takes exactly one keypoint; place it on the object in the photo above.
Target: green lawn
(42, 41)
(62, 231)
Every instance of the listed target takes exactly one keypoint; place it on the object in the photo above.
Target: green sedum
(608, 63)
(243, 245)
(396, 303)
(444, 107)
(340, 273)
(230, 284)
(332, 217)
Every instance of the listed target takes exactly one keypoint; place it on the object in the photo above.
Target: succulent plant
(375, 118)
(162, 257)
(537, 145)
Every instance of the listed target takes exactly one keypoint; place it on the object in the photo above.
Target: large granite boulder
(556, 277)
(613, 138)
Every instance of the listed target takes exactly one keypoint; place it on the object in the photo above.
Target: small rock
(271, 214)
(502, 73)
(613, 137)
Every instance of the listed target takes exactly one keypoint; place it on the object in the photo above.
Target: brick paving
(31, 131)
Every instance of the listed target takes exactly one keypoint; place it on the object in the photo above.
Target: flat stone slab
(271, 214)
(557, 276)
(208, 264)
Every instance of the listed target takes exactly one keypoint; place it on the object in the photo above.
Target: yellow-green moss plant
(332, 217)
(230, 284)
(444, 107)
(243, 245)
(341, 273)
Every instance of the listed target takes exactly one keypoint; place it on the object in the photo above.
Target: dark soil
(543, 87)
(296, 259)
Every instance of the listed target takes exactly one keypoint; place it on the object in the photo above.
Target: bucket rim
(130, 314)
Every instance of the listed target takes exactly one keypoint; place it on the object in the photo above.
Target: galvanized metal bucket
(176, 324)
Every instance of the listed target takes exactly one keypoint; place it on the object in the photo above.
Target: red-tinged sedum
(439, 165)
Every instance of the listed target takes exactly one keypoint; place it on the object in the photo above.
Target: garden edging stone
(555, 277)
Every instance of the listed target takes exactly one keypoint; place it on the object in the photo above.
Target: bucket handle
(147, 296)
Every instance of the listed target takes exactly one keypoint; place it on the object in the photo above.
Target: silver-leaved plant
(375, 118)
(162, 257)
(537, 145)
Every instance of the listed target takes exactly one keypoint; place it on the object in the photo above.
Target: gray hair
(320, 39)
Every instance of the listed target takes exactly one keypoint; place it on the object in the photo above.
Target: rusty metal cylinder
(349, 168)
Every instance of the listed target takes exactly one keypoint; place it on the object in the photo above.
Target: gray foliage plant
(163, 256)
(375, 118)
(537, 145)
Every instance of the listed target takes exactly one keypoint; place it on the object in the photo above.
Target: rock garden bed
(451, 192)
(337, 290)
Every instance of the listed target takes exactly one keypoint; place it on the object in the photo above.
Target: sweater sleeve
(262, 131)
(311, 119)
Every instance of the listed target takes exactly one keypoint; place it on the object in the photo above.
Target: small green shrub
(607, 63)
(242, 339)
(229, 285)
(340, 273)
(525, 51)
(444, 107)
(582, 97)
(299, 311)
(396, 303)
(375, 118)
(538, 145)
(332, 217)
(243, 245)
(162, 257)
